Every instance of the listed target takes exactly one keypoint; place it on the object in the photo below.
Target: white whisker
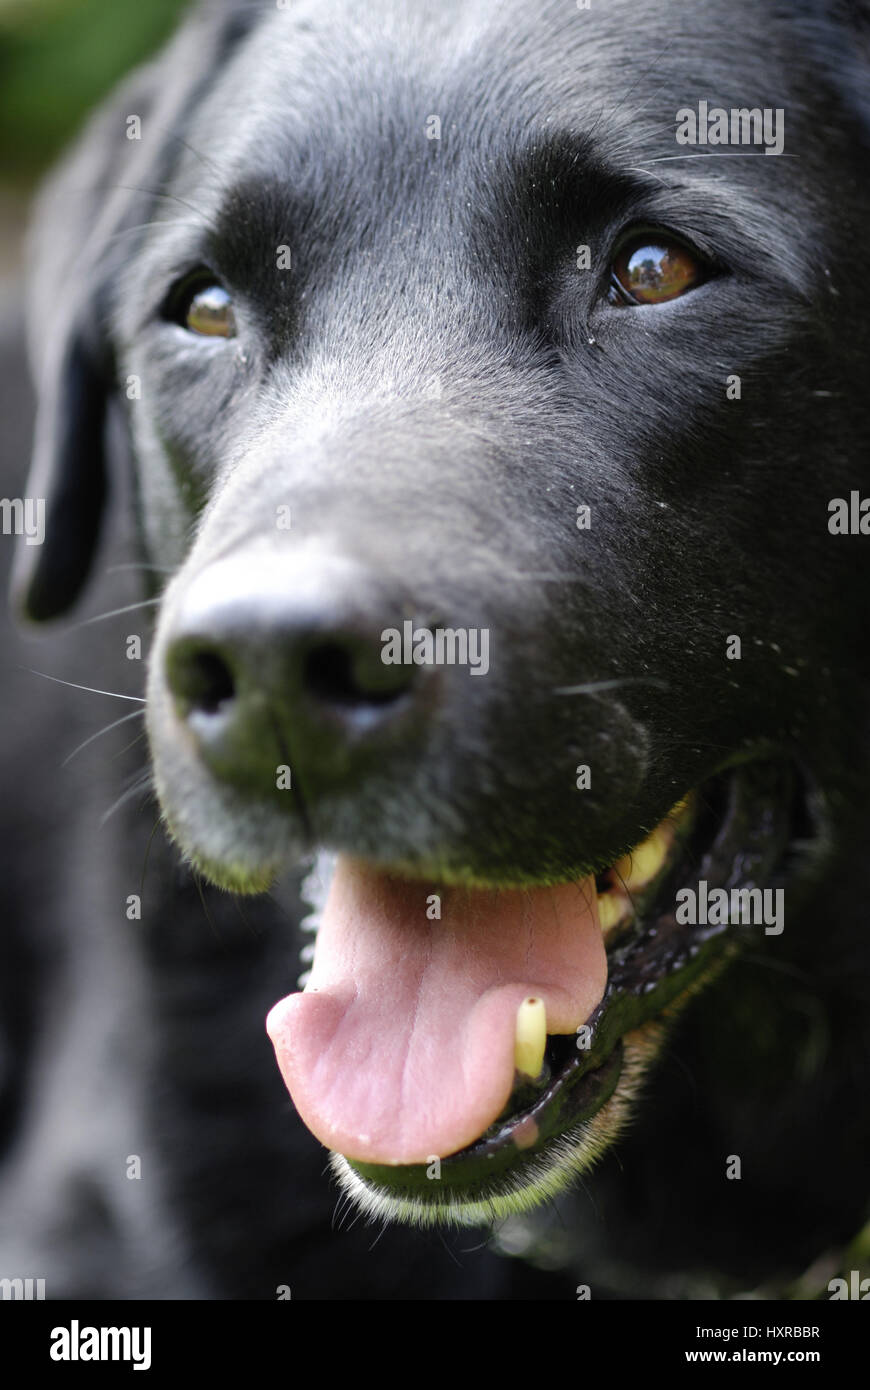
(92, 690)
(114, 612)
(595, 687)
(134, 714)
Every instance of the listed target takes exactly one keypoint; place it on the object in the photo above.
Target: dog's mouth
(465, 1052)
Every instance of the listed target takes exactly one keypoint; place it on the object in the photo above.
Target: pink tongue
(401, 1048)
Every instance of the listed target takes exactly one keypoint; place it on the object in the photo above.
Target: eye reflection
(210, 313)
(653, 270)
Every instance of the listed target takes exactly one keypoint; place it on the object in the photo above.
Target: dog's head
(486, 421)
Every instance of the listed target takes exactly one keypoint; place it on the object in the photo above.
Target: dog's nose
(270, 665)
(337, 672)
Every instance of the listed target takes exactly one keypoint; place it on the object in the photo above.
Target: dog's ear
(108, 186)
(67, 478)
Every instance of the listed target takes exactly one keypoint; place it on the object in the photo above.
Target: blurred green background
(57, 59)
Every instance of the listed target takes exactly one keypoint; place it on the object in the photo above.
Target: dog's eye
(210, 312)
(653, 268)
(204, 307)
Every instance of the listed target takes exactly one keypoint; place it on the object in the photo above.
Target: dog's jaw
(553, 1171)
(551, 1131)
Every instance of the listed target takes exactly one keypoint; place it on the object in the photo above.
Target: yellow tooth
(612, 907)
(641, 866)
(531, 1038)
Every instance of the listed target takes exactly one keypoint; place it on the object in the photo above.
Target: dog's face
(436, 341)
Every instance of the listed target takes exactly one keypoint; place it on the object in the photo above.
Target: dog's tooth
(531, 1037)
(612, 907)
(640, 867)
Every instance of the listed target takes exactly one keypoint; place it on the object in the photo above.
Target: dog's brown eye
(209, 312)
(653, 269)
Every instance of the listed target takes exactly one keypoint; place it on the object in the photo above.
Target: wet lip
(733, 832)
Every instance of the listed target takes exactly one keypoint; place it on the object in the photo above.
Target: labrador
(493, 384)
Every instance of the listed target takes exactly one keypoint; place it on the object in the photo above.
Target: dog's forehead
(491, 73)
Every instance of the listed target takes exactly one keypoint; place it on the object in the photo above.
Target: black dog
(493, 447)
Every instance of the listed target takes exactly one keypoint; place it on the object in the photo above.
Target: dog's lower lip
(739, 834)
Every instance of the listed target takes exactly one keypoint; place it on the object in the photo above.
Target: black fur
(453, 259)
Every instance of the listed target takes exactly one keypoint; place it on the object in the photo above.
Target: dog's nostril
(202, 680)
(345, 675)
